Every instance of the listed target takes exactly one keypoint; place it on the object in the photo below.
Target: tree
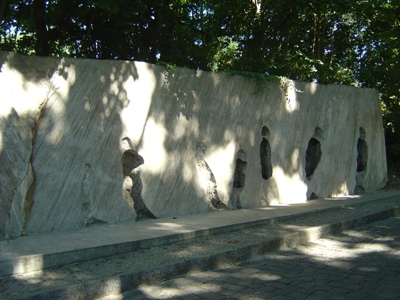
(2, 8)
(42, 37)
(352, 42)
(379, 65)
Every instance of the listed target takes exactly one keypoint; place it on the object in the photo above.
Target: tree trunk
(42, 37)
(2, 7)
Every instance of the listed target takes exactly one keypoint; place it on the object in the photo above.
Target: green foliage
(353, 42)
(259, 79)
(168, 66)
(226, 55)
(253, 76)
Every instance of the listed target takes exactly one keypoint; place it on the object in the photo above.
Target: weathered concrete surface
(87, 141)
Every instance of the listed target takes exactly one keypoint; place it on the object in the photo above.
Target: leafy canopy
(354, 42)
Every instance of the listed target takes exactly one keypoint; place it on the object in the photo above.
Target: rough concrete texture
(80, 139)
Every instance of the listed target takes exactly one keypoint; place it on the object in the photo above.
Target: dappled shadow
(222, 112)
(91, 105)
(76, 105)
(91, 129)
(18, 111)
(131, 268)
(28, 66)
(362, 263)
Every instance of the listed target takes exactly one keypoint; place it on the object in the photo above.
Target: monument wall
(93, 141)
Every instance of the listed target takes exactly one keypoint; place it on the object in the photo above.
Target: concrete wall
(88, 141)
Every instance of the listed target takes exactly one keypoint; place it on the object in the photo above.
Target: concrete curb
(36, 262)
(119, 284)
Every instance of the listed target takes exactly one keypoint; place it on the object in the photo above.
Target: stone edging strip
(122, 283)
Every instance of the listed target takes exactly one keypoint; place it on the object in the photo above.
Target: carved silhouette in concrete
(207, 177)
(239, 179)
(132, 185)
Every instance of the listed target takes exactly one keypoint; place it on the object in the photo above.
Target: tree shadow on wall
(91, 129)
(220, 111)
(28, 67)
(16, 129)
(81, 113)
(212, 109)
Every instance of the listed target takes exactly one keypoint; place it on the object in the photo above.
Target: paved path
(35, 253)
(197, 243)
(363, 263)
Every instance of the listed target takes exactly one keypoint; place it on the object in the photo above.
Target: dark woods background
(353, 42)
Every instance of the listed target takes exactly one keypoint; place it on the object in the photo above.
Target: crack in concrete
(28, 202)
